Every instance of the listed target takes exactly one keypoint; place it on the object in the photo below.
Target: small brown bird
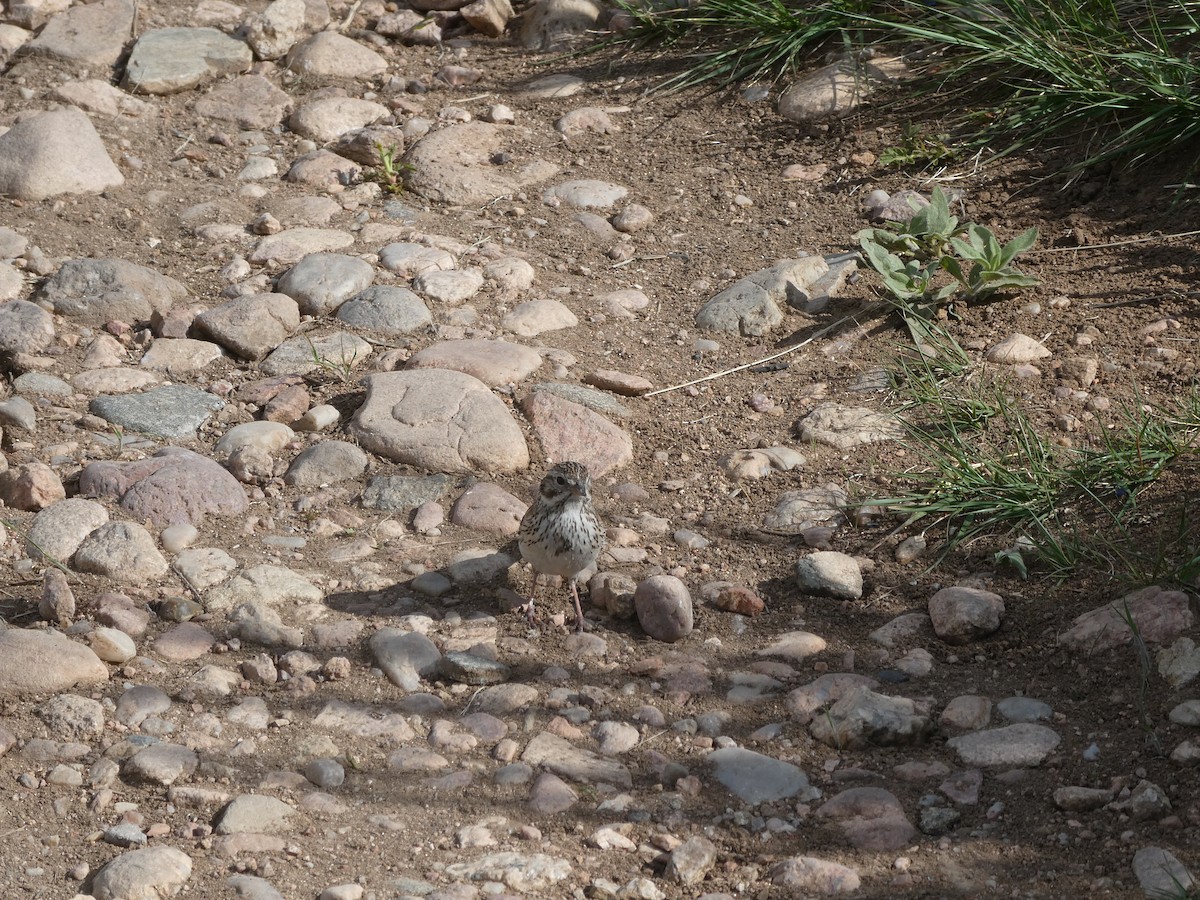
(560, 533)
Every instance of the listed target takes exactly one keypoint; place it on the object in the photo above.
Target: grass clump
(986, 471)
(1120, 75)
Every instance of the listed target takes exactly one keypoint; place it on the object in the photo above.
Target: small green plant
(991, 264)
(389, 174)
(340, 369)
(917, 150)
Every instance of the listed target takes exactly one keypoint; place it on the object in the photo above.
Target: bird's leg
(578, 608)
(531, 615)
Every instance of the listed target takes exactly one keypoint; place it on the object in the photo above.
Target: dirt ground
(1105, 245)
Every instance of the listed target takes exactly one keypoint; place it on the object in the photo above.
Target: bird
(560, 533)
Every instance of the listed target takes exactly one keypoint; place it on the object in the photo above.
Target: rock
(174, 486)
(453, 165)
(60, 528)
(808, 875)
(274, 31)
(1160, 616)
(250, 327)
(331, 54)
(24, 328)
(488, 507)
(797, 511)
(585, 193)
(172, 411)
(388, 310)
(565, 759)
(31, 486)
(828, 573)
(123, 551)
(405, 657)
(522, 873)
(95, 291)
(960, 615)
(861, 718)
(180, 356)
(1160, 873)
(549, 795)
(968, 713)
(255, 814)
(754, 778)
(57, 603)
(847, 427)
(326, 463)
(248, 101)
(752, 305)
(534, 317)
(1081, 799)
(140, 702)
(489, 18)
(569, 431)
(804, 702)
(871, 819)
(169, 60)
(321, 282)
(664, 608)
(495, 363)
(270, 585)
(93, 34)
(1016, 349)
(403, 493)
(338, 354)
(690, 861)
(143, 875)
(1146, 801)
(53, 153)
(1009, 746)
(160, 764)
(22, 663)
(837, 89)
(439, 420)
(72, 717)
(112, 645)
(449, 288)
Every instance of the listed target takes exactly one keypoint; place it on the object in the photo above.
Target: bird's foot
(531, 614)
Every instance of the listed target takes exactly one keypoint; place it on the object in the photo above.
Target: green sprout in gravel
(389, 174)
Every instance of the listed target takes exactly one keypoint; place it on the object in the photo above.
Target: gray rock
(1081, 799)
(1161, 874)
(331, 54)
(173, 411)
(563, 758)
(808, 875)
(754, 778)
(250, 327)
(863, 718)
(249, 101)
(449, 288)
(600, 401)
(123, 551)
(403, 493)
(837, 89)
(326, 463)
(328, 118)
(520, 872)
(961, 614)
(1159, 615)
(480, 564)
(338, 353)
(1179, 664)
(1145, 802)
(180, 356)
(251, 887)
(160, 764)
(804, 702)
(847, 427)
(24, 327)
(752, 305)
(325, 773)
(408, 260)
(169, 60)
(23, 669)
(39, 384)
(52, 153)
(439, 420)
(71, 717)
(96, 291)
(405, 657)
(1010, 746)
(690, 861)
(471, 669)
(271, 585)
(93, 34)
(174, 486)
(124, 834)
(584, 194)
(148, 873)
(139, 703)
(828, 573)
(1024, 709)
(453, 165)
(17, 412)
(534, 317)
(321, 282)
(796, 511)
(387, 310)
(272, 32)
(255, 814)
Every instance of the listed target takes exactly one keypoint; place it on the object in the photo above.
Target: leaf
(1018, 245)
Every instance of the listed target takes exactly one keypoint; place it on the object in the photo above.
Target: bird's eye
(560, 481)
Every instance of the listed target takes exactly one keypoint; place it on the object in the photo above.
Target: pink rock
(31, 486)
(870, 818)
(288, 405)
(569, 431)
(961, 614)
(1160, 616)
(619, 383)
(183, 642)
(488, 507)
